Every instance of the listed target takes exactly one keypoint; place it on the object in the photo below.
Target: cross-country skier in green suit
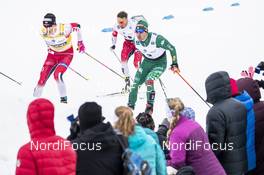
(153, 47)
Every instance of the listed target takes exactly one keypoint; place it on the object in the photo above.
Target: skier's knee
(124, 57)
(58, 76)
(41, 82)
(59, 71)
(150, 82)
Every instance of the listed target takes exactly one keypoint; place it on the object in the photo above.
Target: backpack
(133, 163)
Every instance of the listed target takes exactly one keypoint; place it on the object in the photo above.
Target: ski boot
(131, 106)
(149, 109)
(38, 91)
(64, 100)
(127, 81)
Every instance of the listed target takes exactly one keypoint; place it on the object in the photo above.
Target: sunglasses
(46, 24)
(140, 30)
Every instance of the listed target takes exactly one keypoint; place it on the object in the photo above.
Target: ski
(122, 92)
(141, 95)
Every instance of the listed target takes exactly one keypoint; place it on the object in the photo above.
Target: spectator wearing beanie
(226, 124)
(188, 113)
(49, 158)
(252, 88)
(98, 150)
(138, 141)
(147, 122)
(244, 98)
(182, 132)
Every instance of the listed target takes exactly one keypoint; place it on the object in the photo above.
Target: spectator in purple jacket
(188, 144)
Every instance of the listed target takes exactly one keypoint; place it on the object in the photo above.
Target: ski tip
(168, 17)
(207, 9)
(109, 29)
(235, 4)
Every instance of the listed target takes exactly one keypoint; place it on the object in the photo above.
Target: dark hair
(49, 20)
(145, 120)
(122, 14)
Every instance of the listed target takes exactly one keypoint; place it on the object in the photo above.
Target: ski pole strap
(193, 89)
(104, 65)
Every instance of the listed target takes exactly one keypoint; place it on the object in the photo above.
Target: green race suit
(154, 64)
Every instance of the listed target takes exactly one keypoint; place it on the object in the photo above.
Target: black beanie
(89, 114)
(49, 20)
(145, 120)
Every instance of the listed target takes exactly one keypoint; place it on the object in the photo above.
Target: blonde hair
(176, 106)
(125, 122)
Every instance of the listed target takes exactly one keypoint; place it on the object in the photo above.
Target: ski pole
(78, 74)
(116, 56)
(163, 88)
(104, 65)
(193, 89)
(168, 111)
(19, 83)
(119, 61)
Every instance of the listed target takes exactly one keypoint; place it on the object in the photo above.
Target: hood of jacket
(138, 138)
(218, 87)
(40, 119)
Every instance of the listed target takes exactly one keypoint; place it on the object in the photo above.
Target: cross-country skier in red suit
(126, 27)
(60, 52)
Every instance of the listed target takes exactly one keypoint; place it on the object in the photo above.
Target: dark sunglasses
(46, 25)
(140, 31)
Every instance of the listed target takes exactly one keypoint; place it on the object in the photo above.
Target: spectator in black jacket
(226, 124)
(98, 150)
(252, 88)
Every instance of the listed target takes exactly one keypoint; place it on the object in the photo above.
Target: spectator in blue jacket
(140, 142)
(248, 102)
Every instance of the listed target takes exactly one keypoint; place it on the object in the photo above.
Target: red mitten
(81, 47)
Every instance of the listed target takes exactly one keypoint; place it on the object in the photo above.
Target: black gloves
(174, 65)
(260, 67)
(74, 129)
(166, 123)
(112, 47)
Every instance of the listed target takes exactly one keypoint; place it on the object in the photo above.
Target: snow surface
(228, 38)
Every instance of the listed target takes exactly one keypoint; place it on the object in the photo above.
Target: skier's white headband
(47, 19)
